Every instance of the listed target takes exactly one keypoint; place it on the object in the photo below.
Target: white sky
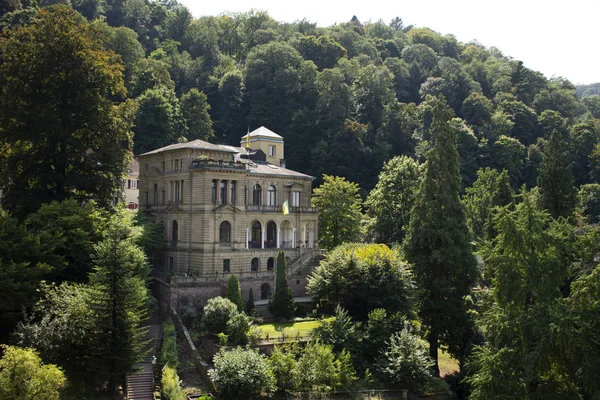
(557, 38)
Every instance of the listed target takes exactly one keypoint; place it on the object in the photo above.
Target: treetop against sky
(556, 40)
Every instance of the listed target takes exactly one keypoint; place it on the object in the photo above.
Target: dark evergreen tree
(281, 304)
(119, 297)
(555, 180)
(250, 303)
(437, 242)
(234, 293)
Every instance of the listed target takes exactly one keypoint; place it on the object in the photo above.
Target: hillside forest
(468, 184)
(341, 96)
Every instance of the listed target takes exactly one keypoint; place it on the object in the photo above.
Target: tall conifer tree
(282, 302)
(437, 242)
(234, 293)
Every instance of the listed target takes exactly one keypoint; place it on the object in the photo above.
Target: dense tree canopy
(65, 127)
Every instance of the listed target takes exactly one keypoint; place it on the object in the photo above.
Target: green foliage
(21, 254)
(242, 374)
(319, 370)
(250, 307)
(338, 202)
(281, 305)
(282, 362)
(234, 293)
(70, 230)
(340, 332)
(377, 331)
(237, 329)
(438, 243)
(171, 385)
(389, 203)
(158, 121)
(217, 312)
(119, 295)
(589, 202)
(169, 354)
(526, 264)
(63, 328)
(69, 131)
(490, 190)
(24, 376)
(556, 185)
(405, 361)
(195, 111)
(362, 278)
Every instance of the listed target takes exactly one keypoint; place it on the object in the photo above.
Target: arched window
(256, 195)
(254, 264)
(271, 196)
(175, 231)
(271, 234)
(225, 232)
(271, 264)
(256, 235)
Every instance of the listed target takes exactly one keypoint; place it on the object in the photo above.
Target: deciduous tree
(62, 114)
(24, 376)
(338, 203)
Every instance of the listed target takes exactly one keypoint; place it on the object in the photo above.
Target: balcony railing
(216, 164)
(251, 207)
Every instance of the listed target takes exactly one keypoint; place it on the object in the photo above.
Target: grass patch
(276, 330)
(448, 365)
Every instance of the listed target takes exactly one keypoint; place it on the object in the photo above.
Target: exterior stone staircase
(140, 386)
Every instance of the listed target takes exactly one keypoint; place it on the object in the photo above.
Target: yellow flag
(285, 208)
(248, 139)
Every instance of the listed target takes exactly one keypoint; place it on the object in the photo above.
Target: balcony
(254, 208)
(217, 164)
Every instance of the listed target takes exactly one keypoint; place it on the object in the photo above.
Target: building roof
(133, 167)
(195, 145)
(264, 132)
(270, 169)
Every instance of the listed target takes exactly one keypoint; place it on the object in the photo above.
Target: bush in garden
(237, 329)
(216, 314)
(242, 374)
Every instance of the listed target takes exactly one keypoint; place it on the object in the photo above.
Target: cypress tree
(250, 304)
(234, 293)
(437, 242)
(282, 302)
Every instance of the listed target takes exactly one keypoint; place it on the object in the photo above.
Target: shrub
(318, 369)
(168, 351)
(242, 374)
(237, 329)
(171, 385)
(406, 361)
(216, 314)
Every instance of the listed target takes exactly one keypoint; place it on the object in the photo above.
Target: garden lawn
(290, 329)
(446, 363)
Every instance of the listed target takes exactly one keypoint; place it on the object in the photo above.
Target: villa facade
(221, 206)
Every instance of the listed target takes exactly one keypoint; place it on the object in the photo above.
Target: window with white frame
(271, 196)
(271, 151)
(295, 199)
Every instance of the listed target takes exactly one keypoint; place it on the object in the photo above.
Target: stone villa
(221, 208)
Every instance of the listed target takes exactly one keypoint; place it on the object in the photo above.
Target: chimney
(282, 163)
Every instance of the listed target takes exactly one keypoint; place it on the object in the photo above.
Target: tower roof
(263, 132)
